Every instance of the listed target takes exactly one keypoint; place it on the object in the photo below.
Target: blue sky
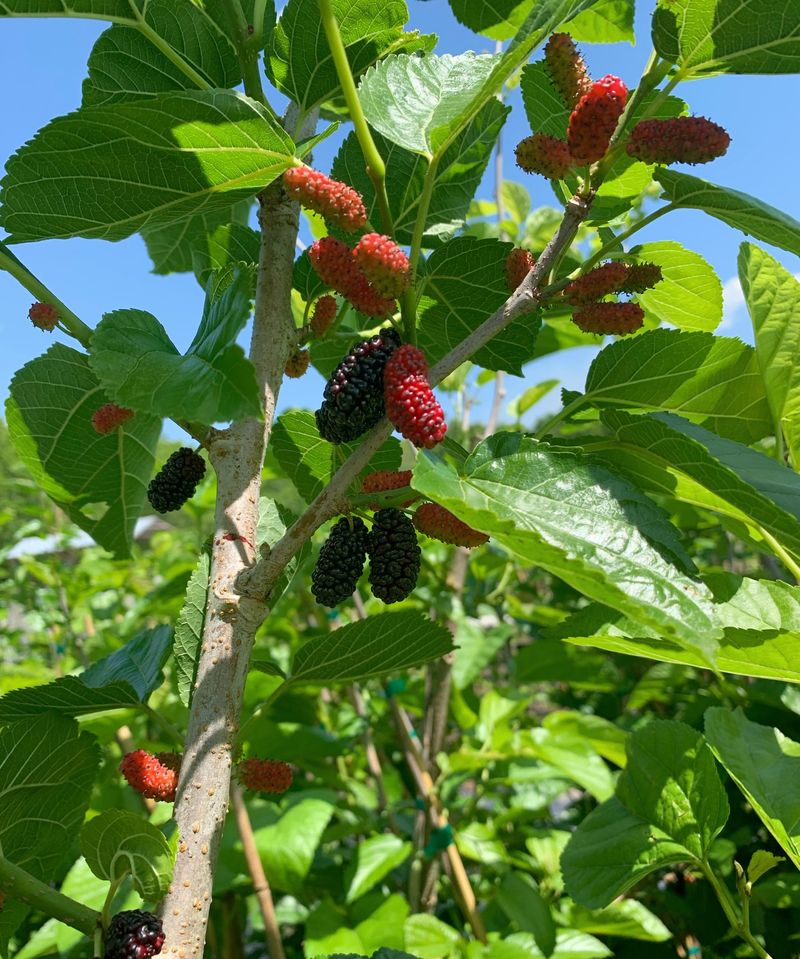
(48, 57)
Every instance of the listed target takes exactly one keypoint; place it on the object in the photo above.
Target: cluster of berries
(378, 377)
(596, 109)
(176, 481)
(391, 545)
(155, 776)
(593, 314)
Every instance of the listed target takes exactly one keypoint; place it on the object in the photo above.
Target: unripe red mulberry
(336, 266)
(544, 154)
(678, 140)
(595, 118)
(383, 480)
(441, 524)
(518, 264)
(297, 364)
(265, 775)
(566, 68)
(337, 202)
(110, 417)
(616, 318)
(597, 283)
(154, 776)
(324, 313)
(43, 316)
(363, 297)
(383, 263)
(641, 277)
(410, 404)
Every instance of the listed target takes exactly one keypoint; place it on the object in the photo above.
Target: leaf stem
(248, 52)
(20, 884)
(737, 922)
(71, 323)
(563, 414)
(626, 234)
(781, 553)
(376, 168)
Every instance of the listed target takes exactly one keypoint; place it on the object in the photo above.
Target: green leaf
(569, 945)
(118, 844)
(549, 661)
(429, 938)
(671, 782)
(498, 19)
(310, 461)
(607, 21)
(390, 642)
(189, 629)
(374, 859)
(418, 102)
(667, 455)
(477, 647)
(763, 763)
(46, 780)
(603, 736)
(125, 63)
(456, 178)
(299, 60)
(67, 695)
(610, 851)
(760, 863)
(522, 403)
(521, 901)
(465, 281)
(739, 210)
(115, 169)
(689, 295)
(99, 481)
(707, 37)
(570, 754)
(288, 845)
(572, 517)
(711, 380)
(138, 663)
(773, 299)
(140, 367)
(626, 918)
(97, 9)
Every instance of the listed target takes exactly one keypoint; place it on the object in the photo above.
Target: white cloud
(733, 304)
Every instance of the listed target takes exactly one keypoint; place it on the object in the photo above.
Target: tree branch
(20, 884)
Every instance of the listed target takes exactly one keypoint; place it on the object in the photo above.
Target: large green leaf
(287, 846)
(189, 629)
(465, 281)
(571, 754)
(116, 10)
(175, 46)
(456, 177)
(310, 461)
(111, 170)
(391, 642)
(667, 455)
(299, 60)
(739, 210)
(689, 294)
(140, 367)
(761, 632)
(117, 844)
(138, 663)
(705, 37)
(573, 517)
(46, 775)
(374, 858)
(100, 481)
(714, 381)
(773, 299)
(765, 765)
(607, 21)
(521, 901)
(626, 918)
(418, 102)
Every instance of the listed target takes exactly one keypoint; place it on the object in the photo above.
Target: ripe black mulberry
(341, 562)
(176, 481)
(394, 556)
(134, 934)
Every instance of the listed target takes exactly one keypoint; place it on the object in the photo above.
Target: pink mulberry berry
(110, 417)
(566, 68)
(324, 312)
(518, 264)
(336, 266)
(154, 776)
(384, 480)
(599, 282)
(595, 118)
(410, 404)
(43, 316)
(265, 775)
(678, 140)
(383, 263)
(544, 154)
(617, 318)
(337, 202)
(441, 524)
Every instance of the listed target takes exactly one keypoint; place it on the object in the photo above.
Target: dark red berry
(678, 140)
(595, 118)
(441, 524)
(410, 404)
(43, 316)
(609, 318)
(545, 155)
(265, 775)
(336, 201)
(518, 264)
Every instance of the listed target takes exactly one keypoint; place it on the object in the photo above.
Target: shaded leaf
(189, 629)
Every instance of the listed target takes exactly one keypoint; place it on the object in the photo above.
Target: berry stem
(20, 884)
(71, 323)
(376, 168)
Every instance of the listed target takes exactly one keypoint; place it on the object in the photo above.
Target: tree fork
(237, 455)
